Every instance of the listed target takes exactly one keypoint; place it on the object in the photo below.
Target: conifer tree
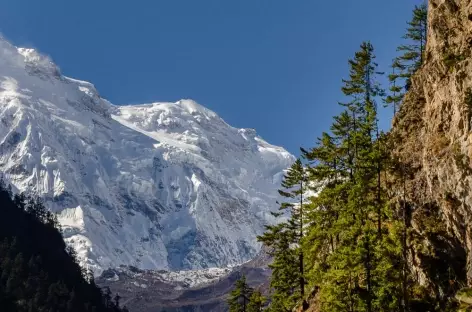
(346, 231)
(365, 204)
(396, 96)
(362, 91)
(412, 53)
(239, 298)
(294, 184)
(284, 280)
(37, 272)
(256, 302)
(285, 240)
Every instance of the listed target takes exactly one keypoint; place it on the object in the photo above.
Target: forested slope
(37, 271)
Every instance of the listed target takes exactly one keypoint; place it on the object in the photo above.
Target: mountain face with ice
(157, 186)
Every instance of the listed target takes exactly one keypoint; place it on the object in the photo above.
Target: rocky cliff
(184, 291)
(432, 146)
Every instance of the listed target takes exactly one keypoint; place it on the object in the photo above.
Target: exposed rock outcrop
(432, 142)
(191, 291)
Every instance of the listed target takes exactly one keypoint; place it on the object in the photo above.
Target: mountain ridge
(157, 186)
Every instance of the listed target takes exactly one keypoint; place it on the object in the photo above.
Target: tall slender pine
(240, 296)
(413, 52)
(285, 239)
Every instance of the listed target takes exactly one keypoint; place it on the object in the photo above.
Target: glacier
(160, 186)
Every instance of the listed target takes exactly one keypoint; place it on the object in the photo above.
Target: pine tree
(37, 273)
(285, 239)
(285, 277)
(413, 52)
(256, 302)
(294, 184)
(348, 219)
(396, 96)
(239, 298)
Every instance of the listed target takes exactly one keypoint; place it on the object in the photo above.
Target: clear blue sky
(272, 65)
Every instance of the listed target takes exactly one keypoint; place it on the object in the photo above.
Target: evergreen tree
(38, 273)
(239, 298)
(256, 302)
(285, 279)
(285, 239)
(294, 184)
(412, 55)
(348, 219)
(363, 203)
(355, 239)
(396, 96)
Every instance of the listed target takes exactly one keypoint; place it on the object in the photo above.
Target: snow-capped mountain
(157, 186)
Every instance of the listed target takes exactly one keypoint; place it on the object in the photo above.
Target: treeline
(38, 273)
(342, 239)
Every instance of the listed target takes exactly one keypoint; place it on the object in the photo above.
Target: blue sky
(272, 65)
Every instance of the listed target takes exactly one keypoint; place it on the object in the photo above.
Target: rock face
(432, 140)
(185, 291)
(157, 186)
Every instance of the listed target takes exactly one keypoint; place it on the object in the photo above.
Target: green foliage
(395, 96)
(411, 57)
(284, 241)
(354, 238)
(352, 199)
(466, 292)
(346, 237)
(256, 302)
(452, 59)
(37, 272)
(413, 52)
(239, 298)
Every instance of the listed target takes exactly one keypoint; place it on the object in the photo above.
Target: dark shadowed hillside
(37, 272)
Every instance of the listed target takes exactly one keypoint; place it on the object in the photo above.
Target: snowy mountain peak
(157, 186)
(39, 63)
(193, 107)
